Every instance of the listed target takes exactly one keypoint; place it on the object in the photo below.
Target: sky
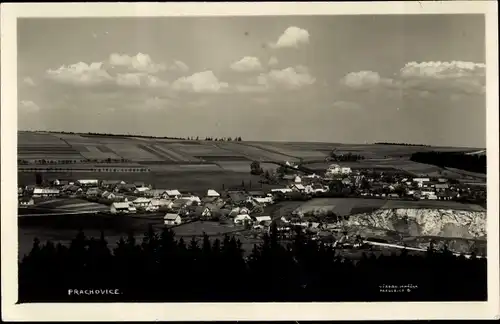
(346, 79)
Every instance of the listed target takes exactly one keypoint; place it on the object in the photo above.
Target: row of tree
(457, 160)
(401, 144)
(349, 157)
(67, 161)
(162, 268)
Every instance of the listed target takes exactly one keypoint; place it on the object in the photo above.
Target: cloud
(80, 74)
(140, 62)
(290, 78)
(29, 81)
(272, 61)
(29, 106)
(362, 79)
(247, 64)
(425, 78)
(203, 82)
(138, 80)
(292, 37)
(459, 76)
(179, 66)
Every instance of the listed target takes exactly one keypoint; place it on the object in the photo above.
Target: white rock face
(425, 222)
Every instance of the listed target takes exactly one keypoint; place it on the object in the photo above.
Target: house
(263, 200)
(126, 187)
(393, 195)
(88, 182)
(45, 192)
(141, 190)
(26, 201)
(93, 192)
(240, 219)
(212, 193)
(441, 186)
(73, 189)
(315, 188)
(57, 182)
(239, 211)
(297, 187)
(142, 202)
(199, 212)
(179, 203)
(257, 194)
(111, 183)
(263, 220)
(191, 197)
(139, 184)
(172, 219)
(282, 190)
(108, 195)
(173, 194)
(122, 208)
(156, 193)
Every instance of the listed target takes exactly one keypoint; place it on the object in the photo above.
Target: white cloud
(272, 61)
(179, 66)
(426, 78)
(140, 62)
(139, 79)
(443, 70)
(204, 82)
(247, 64)
(361, 79)
(289, 78)
(292, 37)
(80, 73)
(29, 81)
(29, 106)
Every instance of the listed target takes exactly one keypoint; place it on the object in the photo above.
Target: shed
(239, 219)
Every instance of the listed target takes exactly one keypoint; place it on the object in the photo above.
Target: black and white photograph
(250, 158)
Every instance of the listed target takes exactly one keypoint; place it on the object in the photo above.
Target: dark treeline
(401, 144)
(457, 160)
(161, 268)
(190, 138)
(349, 157)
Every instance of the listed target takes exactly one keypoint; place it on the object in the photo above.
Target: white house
(282, 190)
(142, 202)
(156, 193)
(297, 179)
(263, 219)
(141, 190)
(88, 182)
(108, 195)
(173, 194)
(240, 219)
(263, 200)
(45, 192)
(297, 187)
(212, 193)
(122, 208)
(315, 188)
(335, 169)
(172, 219)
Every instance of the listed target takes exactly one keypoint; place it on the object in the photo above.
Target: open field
(57, 146)
(187, 181)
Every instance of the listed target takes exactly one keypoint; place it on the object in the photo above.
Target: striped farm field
(173, 153)
(132, 152)
(254, 153)
(291, 152)
(236, 166)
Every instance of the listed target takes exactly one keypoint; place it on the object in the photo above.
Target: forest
(165, 269)
(457, 160)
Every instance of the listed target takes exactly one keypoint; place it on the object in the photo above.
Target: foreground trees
(161, 268)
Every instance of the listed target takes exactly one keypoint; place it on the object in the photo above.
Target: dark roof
(126, 186)
(237, 196)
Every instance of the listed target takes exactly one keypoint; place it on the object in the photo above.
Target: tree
(255, 168)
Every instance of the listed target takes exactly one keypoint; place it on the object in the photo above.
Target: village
(252, 208)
